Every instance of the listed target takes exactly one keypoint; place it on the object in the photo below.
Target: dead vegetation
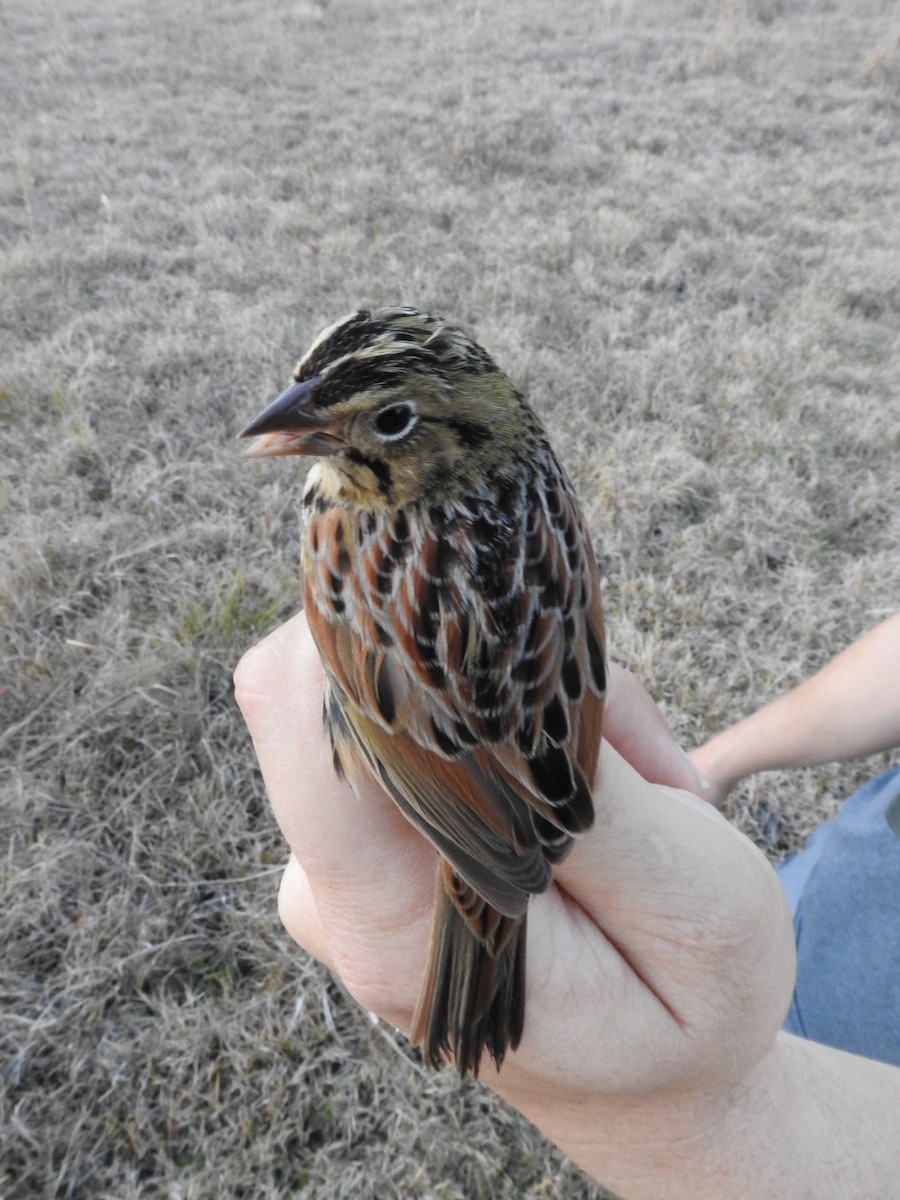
(676, 226)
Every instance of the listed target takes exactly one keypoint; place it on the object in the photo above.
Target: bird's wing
(465, 647)
(481, 826)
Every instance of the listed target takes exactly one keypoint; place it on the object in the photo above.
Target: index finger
(352, 845)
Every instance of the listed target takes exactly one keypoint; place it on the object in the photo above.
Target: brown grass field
(676, 225)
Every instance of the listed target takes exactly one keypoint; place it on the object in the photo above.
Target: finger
(300, 914)
(371, 874)
(278, 686)
(638, 730)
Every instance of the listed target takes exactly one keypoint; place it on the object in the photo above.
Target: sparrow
(452, 591)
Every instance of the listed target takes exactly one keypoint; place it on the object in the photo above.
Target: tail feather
(473, 997)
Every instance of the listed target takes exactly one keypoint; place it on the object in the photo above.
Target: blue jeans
(844, 889)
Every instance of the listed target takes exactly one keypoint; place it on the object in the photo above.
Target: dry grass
(677, 225)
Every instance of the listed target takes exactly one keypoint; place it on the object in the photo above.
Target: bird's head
(402, 407)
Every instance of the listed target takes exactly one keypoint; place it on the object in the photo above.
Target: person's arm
(806, 1123)
(849, 708)
(660, 965)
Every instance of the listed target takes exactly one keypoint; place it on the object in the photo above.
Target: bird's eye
(395, 421)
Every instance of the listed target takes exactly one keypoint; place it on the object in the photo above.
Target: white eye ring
(395, 421)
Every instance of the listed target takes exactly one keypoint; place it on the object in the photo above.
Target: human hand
(664, 934)
(660, 963)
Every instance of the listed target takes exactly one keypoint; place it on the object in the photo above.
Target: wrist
(681, 1144)
(807, 1120)
(725, 759)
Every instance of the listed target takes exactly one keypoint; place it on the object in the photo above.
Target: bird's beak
(291, 425)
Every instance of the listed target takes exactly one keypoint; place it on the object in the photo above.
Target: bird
(452, 591)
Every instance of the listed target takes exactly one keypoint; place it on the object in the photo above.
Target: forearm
(811, 1122)
(850, 708)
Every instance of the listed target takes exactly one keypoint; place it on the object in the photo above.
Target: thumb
(637, 729)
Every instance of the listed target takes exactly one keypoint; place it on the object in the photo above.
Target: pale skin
(660, 964)
(849, 708)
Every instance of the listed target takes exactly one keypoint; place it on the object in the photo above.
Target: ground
(675, 225)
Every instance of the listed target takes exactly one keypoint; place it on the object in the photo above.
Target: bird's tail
(473, 996)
